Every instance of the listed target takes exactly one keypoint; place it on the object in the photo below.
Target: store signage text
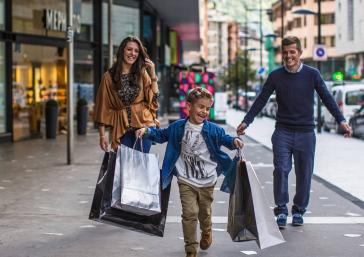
(57, 20)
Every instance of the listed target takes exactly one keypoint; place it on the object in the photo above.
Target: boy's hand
(238, 143)
(140, 132)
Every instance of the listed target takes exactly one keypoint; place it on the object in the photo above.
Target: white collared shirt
(298, 70)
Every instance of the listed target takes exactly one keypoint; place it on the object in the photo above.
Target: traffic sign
(261, 71)
(319, 53)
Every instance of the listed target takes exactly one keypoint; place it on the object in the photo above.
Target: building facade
(305, 28)
(33, 52)
(350, 36)
(217, 41)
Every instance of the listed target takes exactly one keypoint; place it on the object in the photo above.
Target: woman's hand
(140, 132)
(104, 143)
(150, 67)
(238, 143)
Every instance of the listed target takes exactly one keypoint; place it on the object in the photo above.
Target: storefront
(33, 55)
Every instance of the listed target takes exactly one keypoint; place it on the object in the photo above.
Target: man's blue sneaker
(297, 219)
(282, 220)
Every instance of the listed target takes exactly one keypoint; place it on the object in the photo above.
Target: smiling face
(131, 53)
(291, 56)
(199, 110)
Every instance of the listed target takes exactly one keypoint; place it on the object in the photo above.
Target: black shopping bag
(241, 219)
(250, 217)
(102, 211)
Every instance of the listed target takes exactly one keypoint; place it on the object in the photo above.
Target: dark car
(357, 122)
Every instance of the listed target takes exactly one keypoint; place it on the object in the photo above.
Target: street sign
(319, 53)
(261, 71)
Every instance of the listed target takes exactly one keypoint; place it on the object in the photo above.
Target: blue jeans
(300, 145)
(129, 138)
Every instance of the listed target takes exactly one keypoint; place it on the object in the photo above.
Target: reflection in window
(28, 16)
(83, 76)
(127, 16)
(2, 15)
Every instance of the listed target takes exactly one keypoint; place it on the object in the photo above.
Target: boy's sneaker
(191, 255)
(297, 219)
(282, 220)
(206, 239)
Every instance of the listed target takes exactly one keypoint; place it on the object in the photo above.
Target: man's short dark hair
(292, 40)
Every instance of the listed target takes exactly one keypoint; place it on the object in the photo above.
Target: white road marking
(323, 198)
(249, 252)
(352, 214)
(221, 202)
(45, 189)
(352, 235)
(262, 165)
(53, 234)
(83, 202)
(308, 220)
(219, 229)
(1, 188)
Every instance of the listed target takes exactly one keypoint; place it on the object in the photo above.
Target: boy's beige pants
(196, 205)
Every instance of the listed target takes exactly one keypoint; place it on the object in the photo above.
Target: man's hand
(140, 132)
(347, 129)
(104, 143)
(238, 143)
(241, 129)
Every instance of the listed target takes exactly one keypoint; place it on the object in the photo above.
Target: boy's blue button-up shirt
(213, 135)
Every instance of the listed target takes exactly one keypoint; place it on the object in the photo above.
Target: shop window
(39, 74)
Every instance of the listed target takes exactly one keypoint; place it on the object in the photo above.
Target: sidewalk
(338, 159)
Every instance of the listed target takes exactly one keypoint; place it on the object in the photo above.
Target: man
(294, 84)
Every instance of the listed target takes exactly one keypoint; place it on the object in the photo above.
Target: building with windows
(305, 28)
(350, 36)
(33, 51)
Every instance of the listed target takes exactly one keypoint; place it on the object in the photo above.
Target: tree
(229, 77)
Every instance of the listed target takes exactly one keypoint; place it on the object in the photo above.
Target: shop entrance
(39, 74)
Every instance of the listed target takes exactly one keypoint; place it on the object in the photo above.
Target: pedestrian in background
(294, 84)
(127, 97)
(193, 154)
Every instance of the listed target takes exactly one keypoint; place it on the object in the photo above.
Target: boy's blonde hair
(198, 93)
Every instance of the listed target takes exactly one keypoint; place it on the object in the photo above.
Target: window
(127, 16)
(297, 23)
(84, 11)
(304, 21)
(305, 42)
(29, 16)
(354, 97)
(326, 18)
(332, 41)
(350, 20)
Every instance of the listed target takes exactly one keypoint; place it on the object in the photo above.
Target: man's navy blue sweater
(295, 98)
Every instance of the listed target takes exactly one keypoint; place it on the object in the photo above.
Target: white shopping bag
(136, 186)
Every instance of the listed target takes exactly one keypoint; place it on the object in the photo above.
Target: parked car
(349, 96)
(357, 122)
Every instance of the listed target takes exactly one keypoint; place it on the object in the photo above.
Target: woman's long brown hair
(136, 68)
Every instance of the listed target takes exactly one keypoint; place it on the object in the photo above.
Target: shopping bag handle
(240, 152)
(141, 144)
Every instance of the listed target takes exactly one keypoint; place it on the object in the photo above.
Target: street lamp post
(318, 15)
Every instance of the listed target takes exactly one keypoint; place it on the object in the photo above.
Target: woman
(127, 97)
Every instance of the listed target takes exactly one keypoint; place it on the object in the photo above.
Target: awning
(182, 16)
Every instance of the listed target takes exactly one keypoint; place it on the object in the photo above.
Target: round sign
(320, 52)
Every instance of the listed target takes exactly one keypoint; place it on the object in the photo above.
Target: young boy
(193, 154)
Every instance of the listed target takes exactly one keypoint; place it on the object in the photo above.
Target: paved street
(44, 209)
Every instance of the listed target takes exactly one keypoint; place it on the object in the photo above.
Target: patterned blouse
(127, 91)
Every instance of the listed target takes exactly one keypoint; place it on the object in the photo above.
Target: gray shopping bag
(136, 186)
(250, 217)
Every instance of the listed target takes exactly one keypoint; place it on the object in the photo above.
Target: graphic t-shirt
(194, 165)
